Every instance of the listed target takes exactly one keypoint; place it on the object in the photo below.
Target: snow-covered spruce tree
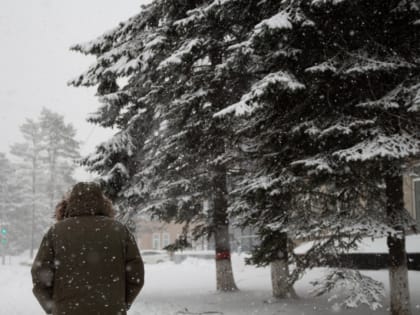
(335, 107)
(14, 209)
(174, 53)
(256, 203)
(6, 172)
(29, 154)
(44, 166)
(61, 150)
(120, 53)
(128, 109)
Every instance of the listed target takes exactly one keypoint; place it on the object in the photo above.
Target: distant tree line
(37, 174)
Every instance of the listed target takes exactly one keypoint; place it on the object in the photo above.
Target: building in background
(156, 235)
(412, 192)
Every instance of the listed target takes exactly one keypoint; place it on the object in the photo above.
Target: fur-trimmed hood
(87, 199)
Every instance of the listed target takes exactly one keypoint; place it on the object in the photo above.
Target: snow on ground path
(188, 288)
(16, 296)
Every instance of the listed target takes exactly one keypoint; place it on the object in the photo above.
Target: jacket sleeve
(43, 273)
(134, 270)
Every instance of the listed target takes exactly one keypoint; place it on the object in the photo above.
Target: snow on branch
(119, 143)
(251, 101)
(244, 46)
(98, 45)
(177, 57)
(135, 190)
(324, 2)
(216, 3)
(150, 50)
(364, 64)
(121, 50)
(304, 127)
(337, 129)
(394, 147)
(156, 41)
(265, 182)
(193, 16)
(105, 115)
(400, 97)
(198, 14)
(323, 67)
(413, 101)
(119, 35)
(118, 61)
(383, 103)
(351, 287)
(317, 165)
(190, 97)
(124, 65)
(281, 20)
(341, 128)
(119, 169)
(415, 107)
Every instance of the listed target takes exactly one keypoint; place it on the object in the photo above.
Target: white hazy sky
(35, 61)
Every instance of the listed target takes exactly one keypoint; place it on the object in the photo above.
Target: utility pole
(3, 229)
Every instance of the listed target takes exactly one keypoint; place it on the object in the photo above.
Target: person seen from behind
(88, 263)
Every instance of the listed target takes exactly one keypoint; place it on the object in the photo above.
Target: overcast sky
(35, 61)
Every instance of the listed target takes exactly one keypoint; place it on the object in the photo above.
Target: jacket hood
(86, 199)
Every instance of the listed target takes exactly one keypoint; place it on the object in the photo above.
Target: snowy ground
(188, 288)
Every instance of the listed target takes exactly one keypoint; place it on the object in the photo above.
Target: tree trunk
(398, 271)
(32, 230)
(53, 162)
(279, 275)
(34, 183)
(224, 274)
(3, 254)
(280, 271)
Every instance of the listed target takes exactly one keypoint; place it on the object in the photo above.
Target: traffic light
(3, 235)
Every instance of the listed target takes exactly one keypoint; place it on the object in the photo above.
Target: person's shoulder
(56, 227)
(114, 224)
(51, 233)
(65, 226)
(123, 230)
(62, 223)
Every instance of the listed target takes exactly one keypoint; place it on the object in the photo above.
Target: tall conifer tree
(333, 117)
(30, 155)
(331, 89)
(60, 151)
(45, 163)
(175, 145)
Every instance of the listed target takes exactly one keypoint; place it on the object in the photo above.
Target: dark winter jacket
(87, 264)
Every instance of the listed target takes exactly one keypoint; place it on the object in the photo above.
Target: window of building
(416, 199)
(166, 239)
(156, 241)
